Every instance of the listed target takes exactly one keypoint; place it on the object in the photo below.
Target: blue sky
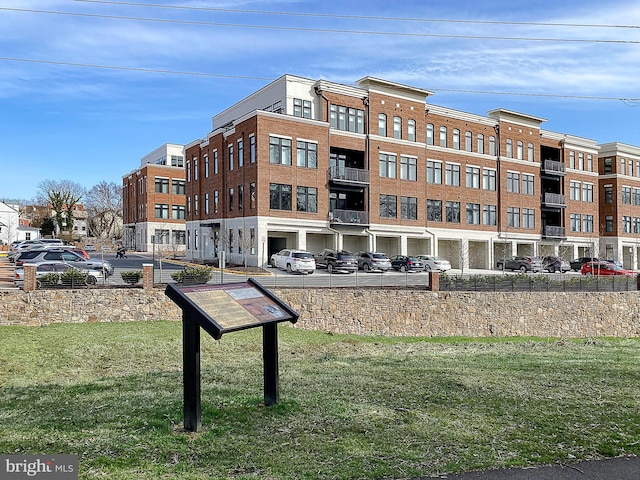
(62, 117)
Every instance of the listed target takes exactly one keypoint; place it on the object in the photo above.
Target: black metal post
(191, 373)
(270, 359)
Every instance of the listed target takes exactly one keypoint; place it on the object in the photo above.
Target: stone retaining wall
(363, 311)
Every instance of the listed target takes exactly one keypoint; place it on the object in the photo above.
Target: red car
(605, 268)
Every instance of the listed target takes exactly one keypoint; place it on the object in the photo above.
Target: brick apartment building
(313, 164)
(154, 202)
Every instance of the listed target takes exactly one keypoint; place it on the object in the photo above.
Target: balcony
(348, 217)
(553, 167)
(348, 175)
(555, 232)
(554, 200)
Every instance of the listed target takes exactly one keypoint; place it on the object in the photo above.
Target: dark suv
(336, 260)
(523, 264)
(579, 262)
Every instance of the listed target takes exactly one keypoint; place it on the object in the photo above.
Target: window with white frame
(473, 214)
(306, 154)
(626, 195)
(452, 174)
(587, 223)
(528, 184)
(429, 134)
(473, 177)
(408, 168)
(453, 212)
(574, 190)
(575, 222)
(456, 139)
(513, 217)
(509, 149)
(587, 192)
(489, 215)
(513, 182)
(411, 130)
(387, 165)
(280, 150)
(468, 141)
(382, 125)
(488, 179)
(528, 218)
(434, 172)
(397, 127)
(480, 142)
(443, 136)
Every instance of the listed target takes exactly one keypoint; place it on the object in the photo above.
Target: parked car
(43, 268)
(293, 261)
(373, 261)
(605, 268)
(555, 264)
(60, 254)
(89, 247)
(336, 260)
(524, 264)
(433, 263)
(406, 264)
(580, 261)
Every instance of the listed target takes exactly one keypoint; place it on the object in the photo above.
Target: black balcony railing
(348, 174)
(352, 217)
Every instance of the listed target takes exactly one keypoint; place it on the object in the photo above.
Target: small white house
(11, 229)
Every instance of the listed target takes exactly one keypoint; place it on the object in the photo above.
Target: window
(388, 206)
(434, 172)
(206, 204)
(636, 224)
(230, 152)
(206, 166)
(195, 168)
(528, 218)
(178, 237)
(513, 217)
(473, 177)
(590, 163)
(434, 210)
(630, 171)
(387, 165)
(636, 196)
(608, 223)
(626, 195)
(608, 166)
(468, 141)
(280, 150)
(178, 187)
(161, 210)
(509, 150)
(429, 134)
(587, 223)
(488, 179)
(489, 216)
(456, 139)
(409, 208)
(215, 162)
(162, 185)
(408, 168)
(480, 142)
(513, 182)
(608, 194)
(178, 212)
(240, 153)
(231, 195)
(240, 197)
(397, 127)
(452, 174)
(574, 190)
(382, 125)
(162, 236)
(279, 196)
(575, 222)
(216, 201)
(572, 159)
(492, 145)
(626, 224)
(307, 199)
(301, 108)
(411, 130)
(528, 185)
(177, 161)
(443, 136)
(530, 152)
(520, 150)
(307, 154)
(623, 164)
(473, 213)
(252, 240)
(346, 119)
(587, 192)
(453, 212)
(580, 161)
(252, 149)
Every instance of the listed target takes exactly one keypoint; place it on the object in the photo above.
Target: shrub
(131, 276)
(192, 274)
(73, 277)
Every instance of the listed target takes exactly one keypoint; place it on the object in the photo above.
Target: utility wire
(269, 79)
(323, 30)
(360, 17)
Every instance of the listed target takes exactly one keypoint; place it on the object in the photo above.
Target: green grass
(350, 407)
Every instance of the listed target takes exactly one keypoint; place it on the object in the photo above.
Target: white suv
(294, 261)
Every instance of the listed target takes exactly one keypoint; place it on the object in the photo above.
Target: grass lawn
(350, 407)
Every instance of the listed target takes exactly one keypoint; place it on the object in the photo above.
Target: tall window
(509, 151)
(488, 179)
(480, 142)
(411, 130)
(206, 166)
(608, 166)
(346, 119)
(468, 141)
(252, 195)
(252, 149)
(528, 185)
(434, 172)
(456, 139)
(301, 108)
(409, 208)
(434, 210)
(408, 168)
(307, 199)
(230, 152)
(231, 198)
(575, 222)
(215, 162)
(240, 197)
(528, 218)
(520, 150)
(216, 201)
(626, 224)
(443, 136)
(388, 206)
(608, 223)
(387, 165)
(580, 161)
(608, 194)
(513, 182)
(429, 137)
(572, 159)
(513, 217)
(574, 190)
(473, 177)
(397, 127)
(452, 174)
(382, 125)
(635, 195)
(196, 204)
(307, 154)
(587, 223)
(240, 153)
(473, 213)
(279, 196)
(195, 168)
(530, 152)
(161, 185)
(636, 224)
(626, 195)
(453, 212)
(280, 150)
(492, 145)
(206, 204)
(489, 216)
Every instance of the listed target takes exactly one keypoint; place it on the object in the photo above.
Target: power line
(324, 30)
(362, 17)
(269, 79)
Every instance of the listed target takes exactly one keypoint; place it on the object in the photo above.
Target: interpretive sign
(220, 309)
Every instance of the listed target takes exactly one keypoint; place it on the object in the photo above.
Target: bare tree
(104, 204)
(63, 196)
